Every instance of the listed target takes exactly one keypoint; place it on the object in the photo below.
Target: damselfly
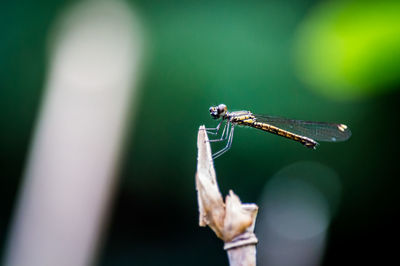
(304, 132)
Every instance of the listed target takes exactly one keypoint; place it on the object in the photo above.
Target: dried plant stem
(244, 255)
(232, 221)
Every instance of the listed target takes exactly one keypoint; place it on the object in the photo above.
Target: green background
(334, 61)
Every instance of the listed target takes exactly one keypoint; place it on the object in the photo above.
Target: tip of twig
(230, 219)
(204, 157)
(211, 205)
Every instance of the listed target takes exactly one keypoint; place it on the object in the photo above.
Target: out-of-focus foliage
(348, 49)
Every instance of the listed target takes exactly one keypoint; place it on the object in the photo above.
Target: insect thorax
(241, 117)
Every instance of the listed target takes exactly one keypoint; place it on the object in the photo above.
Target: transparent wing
(319, 131)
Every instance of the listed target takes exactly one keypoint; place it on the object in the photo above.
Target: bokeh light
(350, 49)
(297, 209)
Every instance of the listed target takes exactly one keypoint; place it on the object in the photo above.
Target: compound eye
(221, 108)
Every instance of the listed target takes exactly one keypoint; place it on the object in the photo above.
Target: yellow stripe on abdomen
(284, 133)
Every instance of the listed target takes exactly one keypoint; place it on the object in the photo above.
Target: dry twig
(232, 221)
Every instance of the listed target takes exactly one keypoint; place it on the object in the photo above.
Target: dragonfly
(304, 132)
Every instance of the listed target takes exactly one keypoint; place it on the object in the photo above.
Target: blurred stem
(244, 255)
(74, 159)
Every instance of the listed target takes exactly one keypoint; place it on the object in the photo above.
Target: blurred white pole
(69, 177)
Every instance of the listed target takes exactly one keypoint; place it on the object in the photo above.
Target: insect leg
(223, 136)
(216, 129)
(228, 145)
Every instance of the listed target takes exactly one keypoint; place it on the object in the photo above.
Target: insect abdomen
(309, 143)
